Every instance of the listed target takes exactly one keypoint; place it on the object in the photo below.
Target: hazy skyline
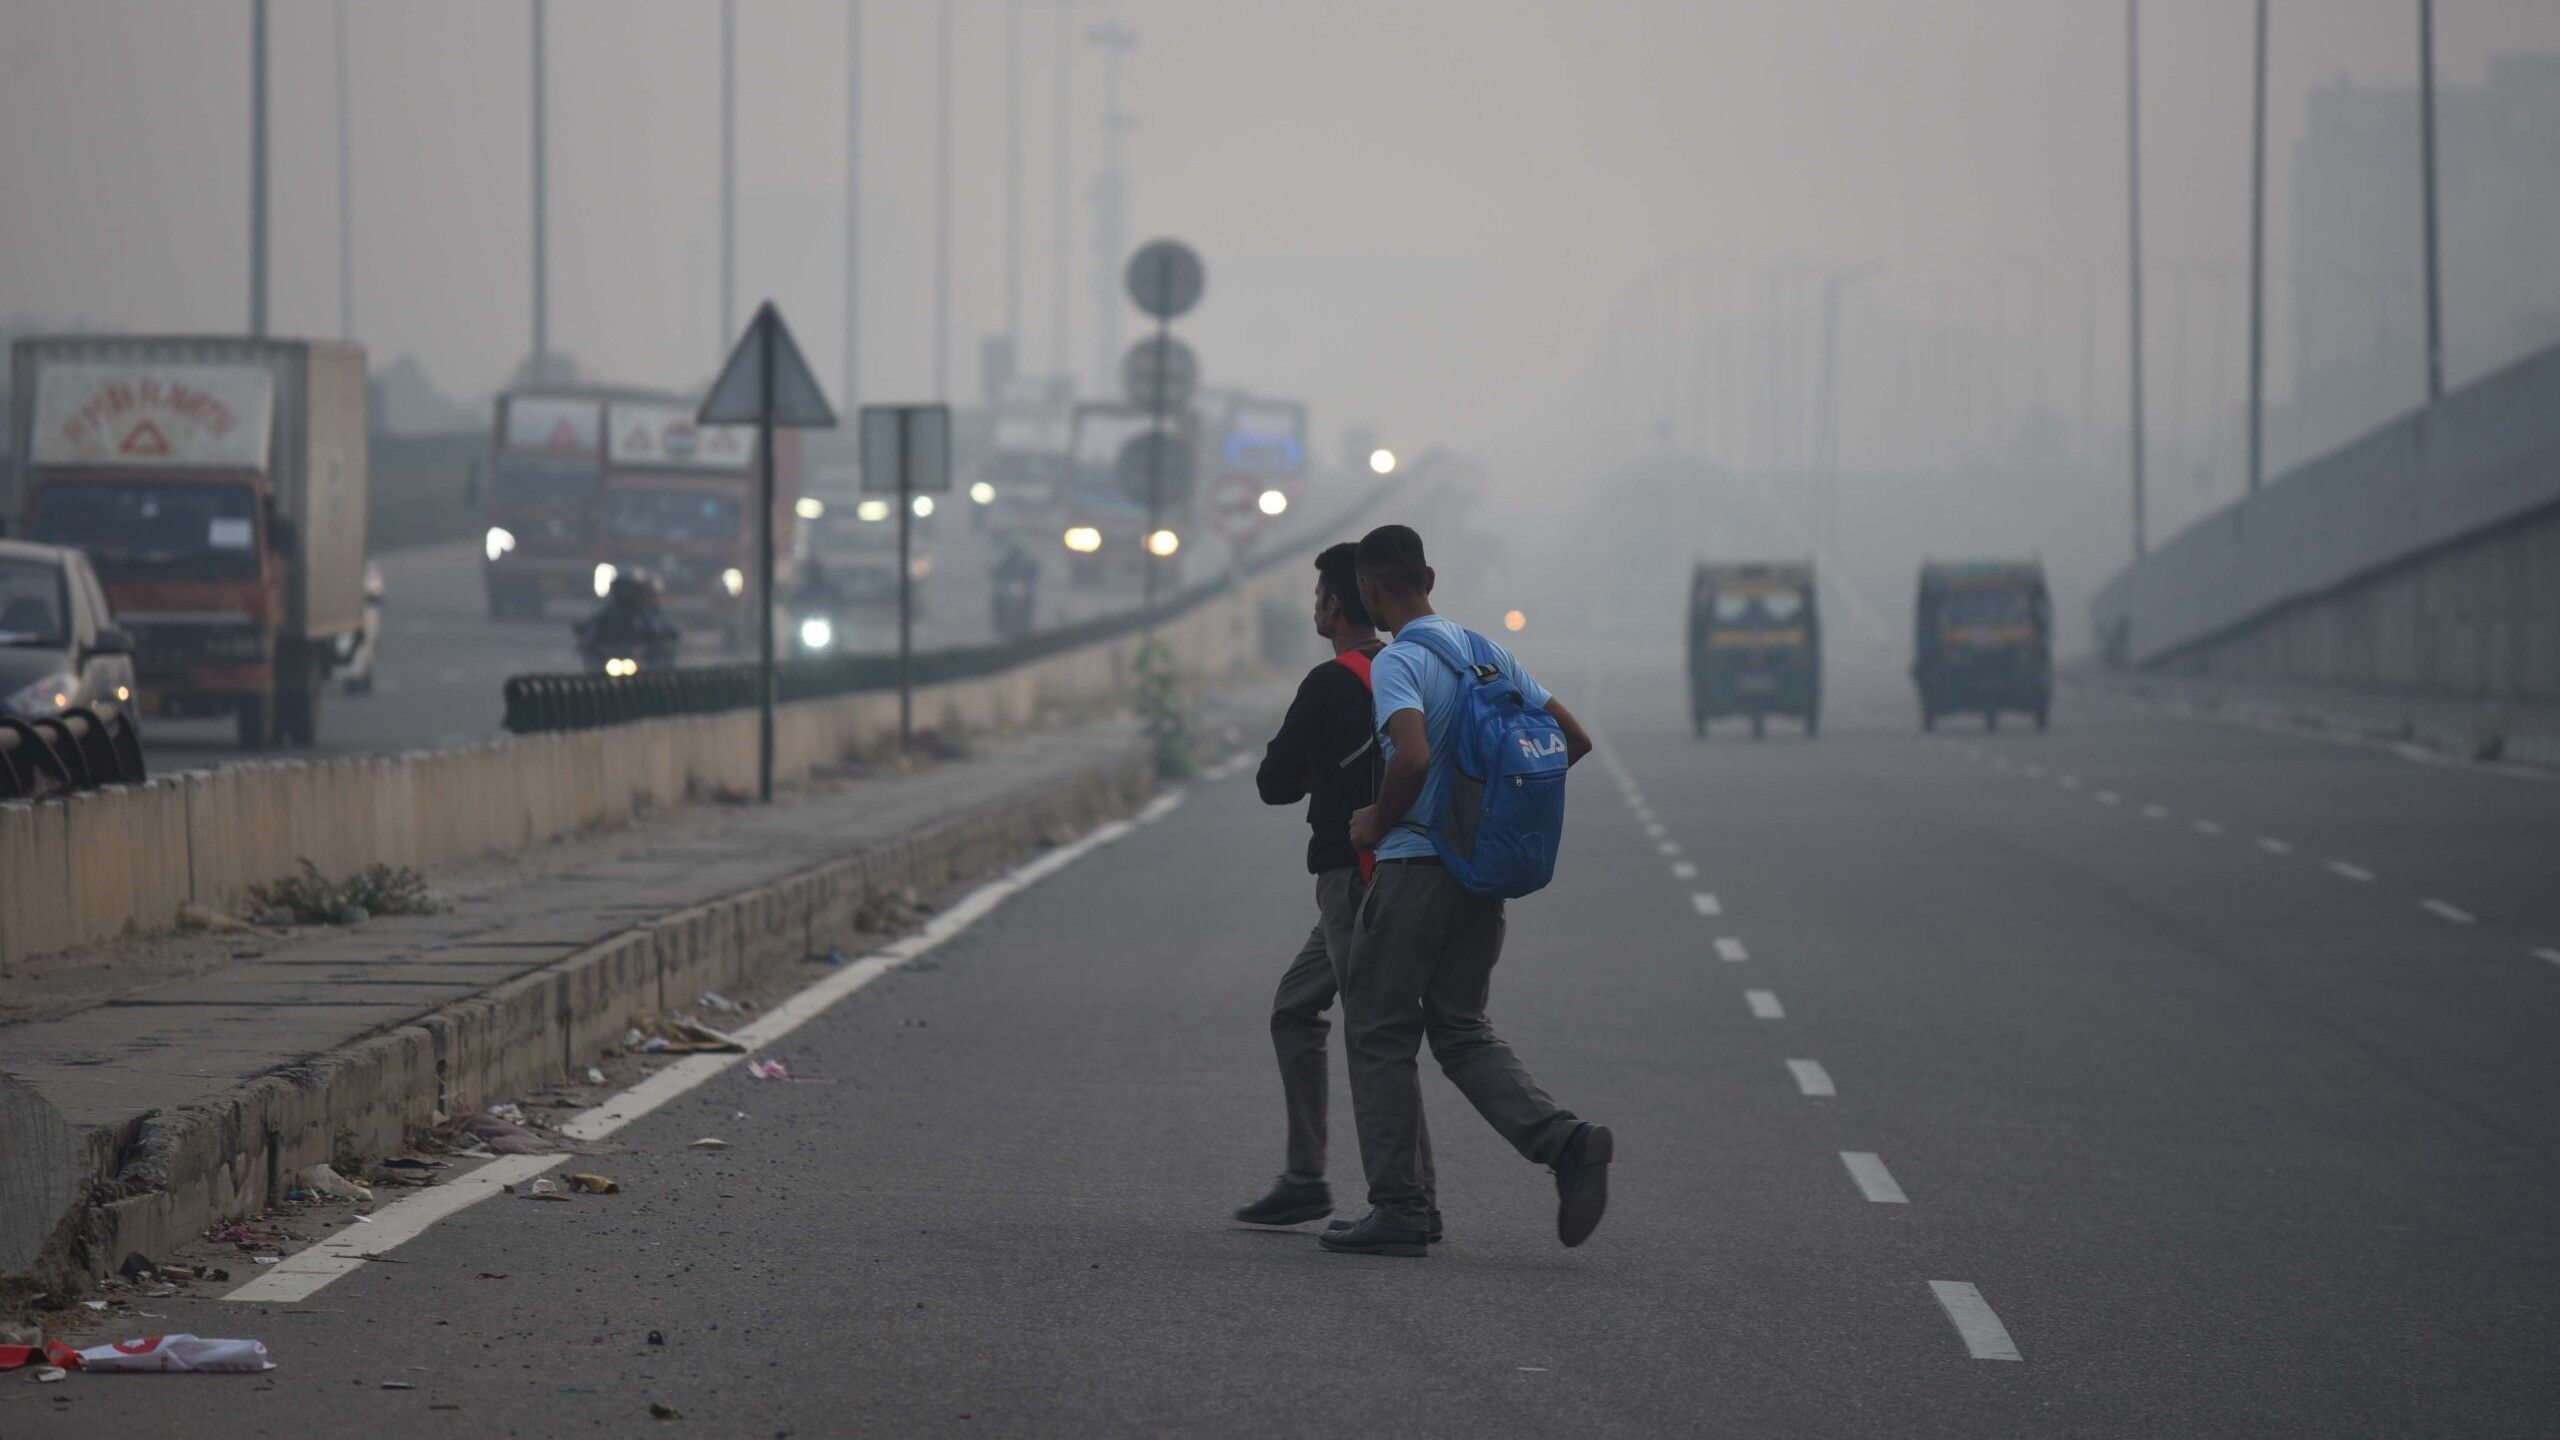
(1421, 213)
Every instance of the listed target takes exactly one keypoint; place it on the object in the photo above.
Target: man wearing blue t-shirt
(1423, 948)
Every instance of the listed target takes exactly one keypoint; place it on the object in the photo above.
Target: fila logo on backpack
(1499, 825)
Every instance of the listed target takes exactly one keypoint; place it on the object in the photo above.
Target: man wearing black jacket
(1326, 754)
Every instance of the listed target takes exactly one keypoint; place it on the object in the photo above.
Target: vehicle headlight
(982, 493)
(923, 507)
(1083, 539)
(604, 579)
(497, 542)
(809, 507)
(45, 696)
(817, 633)
(1163, 543)
(871, 512)
(734, 580)
(1272, 502)
(622, 667)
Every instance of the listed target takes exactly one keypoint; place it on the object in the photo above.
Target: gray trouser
(1298, 1025)
(1421, 964)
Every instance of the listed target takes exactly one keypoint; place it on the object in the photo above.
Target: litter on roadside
(167, 1353)
(768, 1070)
(326, 1180)
(595, 1076)
(594, 1185)
(709, 1142)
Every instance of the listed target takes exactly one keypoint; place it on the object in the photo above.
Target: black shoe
(1291, 1202)
(1373, 1235)
(1582, 1183)
(1432, 1237)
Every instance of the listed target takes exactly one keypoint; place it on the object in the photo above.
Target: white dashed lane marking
(1707, 903)
(1655, 830)
(2357, 873)
(2548, 953)
(1811, 1078)
(1985, 1338)
(1764, 1005)
(1874, 1181)
(2070, 782)
(2208, 827)
(2155, 812)
(2274, 846)
(1669, 847)
(2450, 914)
(1683, 870)
(2109, 797)
(1729, 948)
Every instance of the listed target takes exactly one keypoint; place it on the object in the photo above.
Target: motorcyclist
(629, 621)
(817, 605)
(1015, 574)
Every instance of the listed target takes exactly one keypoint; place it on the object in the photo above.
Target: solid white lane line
(1729, 948)
(1811, 1078)
(2450, 914)
(1668, 847)
(301, 1275)
(1874, 1181)
(2155, 812)
(1707, 903)
(2274, 846)
(2357, 873)
(1985, 1338)
(2548, 953)
(1764, 1005)
(1683, 870)
(2208, 827)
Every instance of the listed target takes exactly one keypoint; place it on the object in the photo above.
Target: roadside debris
(505, 1136)
(658, 1411)
(325, 1180)
(768, 1070)
(649, 1035)
(192, 916)
(168, 1353)
(709, 1142)
(595, 1076)
(594, 1185)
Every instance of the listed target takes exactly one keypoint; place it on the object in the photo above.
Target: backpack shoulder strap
(1447, 654)
(1357, 662)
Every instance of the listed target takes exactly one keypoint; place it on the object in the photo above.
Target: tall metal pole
(2427, 152)
(853, 208)
(2258, 260)
(346, 203)
(728, 169)
(2133, 253)
(1013, 176)
(942, 203)
(764, 567)
(906, 587)
(257, 167)
(1110, 195)
(1059, 225)
(541, 204)
(1155, 450)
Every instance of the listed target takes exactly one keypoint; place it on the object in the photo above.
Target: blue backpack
(1499, 825)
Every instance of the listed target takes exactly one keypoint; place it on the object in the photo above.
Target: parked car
(60, 647)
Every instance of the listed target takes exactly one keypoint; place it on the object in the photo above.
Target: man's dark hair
(1391, 557)
(1338, 571)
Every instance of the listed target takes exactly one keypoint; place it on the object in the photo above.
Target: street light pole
(942, 202)
(257, 167)
(2427, 149)
(2133, 252)
(853, 208)
(541, 204)
(1059, 224)
(346, 204)
(1013, 176)
(1110, 193)
(728, 169)
(2258, 261)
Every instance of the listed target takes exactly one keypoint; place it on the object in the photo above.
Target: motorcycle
(628, 633)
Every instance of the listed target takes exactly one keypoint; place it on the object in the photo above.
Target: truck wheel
(256, 722)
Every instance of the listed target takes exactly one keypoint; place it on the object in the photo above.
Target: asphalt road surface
(2146, 1077)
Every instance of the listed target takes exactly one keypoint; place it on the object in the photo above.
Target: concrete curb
(160, 1179)
(2483, 740)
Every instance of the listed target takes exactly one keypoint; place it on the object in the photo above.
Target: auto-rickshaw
(1983, 640)
(1755, 645)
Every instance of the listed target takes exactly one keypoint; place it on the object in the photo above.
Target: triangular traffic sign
(738, 397)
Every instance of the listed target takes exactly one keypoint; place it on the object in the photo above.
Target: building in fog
(2358, 302)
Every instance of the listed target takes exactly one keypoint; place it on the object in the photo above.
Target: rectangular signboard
(644, 434)
(918, 435)
(156, 416)
(553, 425)
(1266, 437)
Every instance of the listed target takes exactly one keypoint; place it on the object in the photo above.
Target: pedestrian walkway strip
(1730, 948)
(1764, 1005)
(1811, 1078)
(302, 1275)
(1873, 1180)
(1985, 1338)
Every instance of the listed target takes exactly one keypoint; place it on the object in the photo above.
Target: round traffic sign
(1159, 372)
(1166, 278)
(1236, 517)
(1159, 461)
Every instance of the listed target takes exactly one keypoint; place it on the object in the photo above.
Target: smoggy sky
(1419, 211)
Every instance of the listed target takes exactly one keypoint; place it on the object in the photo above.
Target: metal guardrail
(75, 750)
(538, 703)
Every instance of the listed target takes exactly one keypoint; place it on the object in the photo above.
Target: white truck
(218, 485)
